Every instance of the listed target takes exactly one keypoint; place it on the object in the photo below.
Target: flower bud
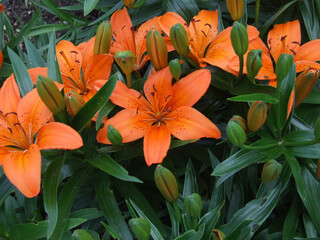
(283, 66)
(50, 95)
(114, 135)
(140, 227)
(128, 3)
(236, 8)
(239, 38)
(193, 205)
(175, 68)
(179, 39)
(318, 170)
(157, 49)
(241, 121)
(74, 102)
(271, 170)
(126, 61)
(236, 133)
(103, 38)
(257, 115)
(166, 183)
(218, 234)
(254, 63)
(304, 84)
(317, 129)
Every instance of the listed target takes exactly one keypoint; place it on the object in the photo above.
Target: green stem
(300, 144)
(128, 80)
(240, 68)
(256, 21)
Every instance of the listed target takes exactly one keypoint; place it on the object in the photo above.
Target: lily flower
(82, 71)
(206, 44)
(135, 41)
(284, 38)
(24, 131)
(164, 111)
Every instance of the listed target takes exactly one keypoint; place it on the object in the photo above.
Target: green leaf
(308, 224)
(81, 234)
(66, 199)
(74, 222)
(190, 182)
(104, 111)
(88, 6)
(53, 65)
(6, 188)
(254, 97)
(192, 235)
(112, 232)
(45, 29)
(311, 151)
(30, 231)
(87, 213)
(187, 9)
(110, 208)
(310, 18)
(21, 74)
(34, 57)
(292, 220)
(209, 220)
(87, 112)
(50, 188)
(313, 97)
(105, 163)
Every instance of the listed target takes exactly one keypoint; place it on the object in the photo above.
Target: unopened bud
(283, 66)
(254, 63)
(166, 183)
(257, 115)
(179, 39)
(236, 134)
(241, 121)
(271, 171)
(103, 38)
(50, 95)
(317, 129)
(114, 135)
(140, 227)
(304, 84)
(239, 38)
(175, 68)
(74, 102)
(193, 205)
(236, 8)
(128, 3)
(126, 61)
(218, 234)
(157, 49)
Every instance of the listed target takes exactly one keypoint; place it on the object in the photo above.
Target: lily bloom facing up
(164, 110)
(82, 71)
(284, 38)
(135, 41)
(20, 120)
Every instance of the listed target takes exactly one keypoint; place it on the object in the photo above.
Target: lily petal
(156, 144)
(308, 51)
(284, 38)
(9, 96)
(302, 65)
(191, 88)
(32, 113)
(169, 19)
(57, 135)
(35, 72)
(187, 123)
(23, 169)
(130, 123)
(158, 88)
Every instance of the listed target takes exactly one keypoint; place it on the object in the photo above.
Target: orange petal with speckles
(57, 135)
(284, 38)
(156, 144)
(9, 96)
(191, 88)
(23, 169)
(130, 124)
(309, 51)
(32, 113)
(35, 72)
(302, 65)
(169, 19)
(187, 123)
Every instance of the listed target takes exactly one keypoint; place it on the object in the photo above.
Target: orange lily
(284, 38)
(20, 120)
(126, 39)
(206, 45)
(83, 71)
(164, 110)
